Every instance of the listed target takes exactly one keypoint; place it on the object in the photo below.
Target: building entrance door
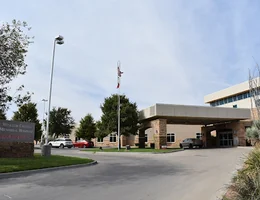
(226, 139)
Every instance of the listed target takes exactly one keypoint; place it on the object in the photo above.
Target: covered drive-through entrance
(221, 127)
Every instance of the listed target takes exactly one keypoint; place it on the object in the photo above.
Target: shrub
(253, 133)
(246, 185)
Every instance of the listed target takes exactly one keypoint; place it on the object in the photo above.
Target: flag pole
(118, 108)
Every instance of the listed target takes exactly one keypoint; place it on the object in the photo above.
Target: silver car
(191, 142)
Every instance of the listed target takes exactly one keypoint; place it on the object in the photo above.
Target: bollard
(46, 150)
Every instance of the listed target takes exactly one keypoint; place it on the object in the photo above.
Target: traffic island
(40, 162)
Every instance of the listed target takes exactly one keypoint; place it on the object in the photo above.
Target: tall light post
(58, 40)
(43, 117)
(43, 125)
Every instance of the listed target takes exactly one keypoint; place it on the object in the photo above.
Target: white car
(61, 142)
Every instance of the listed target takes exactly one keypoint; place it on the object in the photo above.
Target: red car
(83, 144)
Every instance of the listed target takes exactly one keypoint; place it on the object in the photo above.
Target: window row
(231, 99)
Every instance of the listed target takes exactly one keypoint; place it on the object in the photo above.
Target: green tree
(2, 115)
(61, 122)
(28, 113)
(253, 133)
(87, 128)
(128, 115)
(101, 132)
(14, 44)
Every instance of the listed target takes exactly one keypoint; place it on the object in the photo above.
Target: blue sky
(171, 51)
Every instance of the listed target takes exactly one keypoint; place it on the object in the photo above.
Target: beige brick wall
(181, 132)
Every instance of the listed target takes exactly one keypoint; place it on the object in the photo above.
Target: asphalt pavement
(191, 174)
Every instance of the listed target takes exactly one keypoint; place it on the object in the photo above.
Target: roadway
(190, 174)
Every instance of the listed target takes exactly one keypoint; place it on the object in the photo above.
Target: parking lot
(190, 174)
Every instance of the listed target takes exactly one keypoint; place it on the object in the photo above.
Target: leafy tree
(128, 115)
(2, 115)
(253, 133)
(87, 128)
(28, 113)
(14, 44)
(101, 132)
(61, 122)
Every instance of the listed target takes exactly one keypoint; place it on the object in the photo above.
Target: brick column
(204, 136)
(142, 138)
(160, 135)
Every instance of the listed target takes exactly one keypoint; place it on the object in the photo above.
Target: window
(240, 97)
(170, 137)
(235, 106)
(198, 135)
(230, 99)
(100, 139)
(112, 138)
(146, 137)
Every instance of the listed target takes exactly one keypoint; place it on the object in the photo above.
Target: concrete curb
(168, 152)
(125, 153)
(30, 172)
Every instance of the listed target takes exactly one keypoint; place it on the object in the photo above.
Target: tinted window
(68, 140)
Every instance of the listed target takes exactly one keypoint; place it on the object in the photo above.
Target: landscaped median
(141, 150)
(39, 162)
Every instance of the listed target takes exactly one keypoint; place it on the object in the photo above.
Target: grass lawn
(148, 150)
(38, 162)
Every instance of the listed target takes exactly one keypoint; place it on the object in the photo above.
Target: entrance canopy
(194, 115)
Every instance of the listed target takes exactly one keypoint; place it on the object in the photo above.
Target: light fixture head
(59, 38)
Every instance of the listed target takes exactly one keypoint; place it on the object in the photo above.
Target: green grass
(38, 162)
(148, 150)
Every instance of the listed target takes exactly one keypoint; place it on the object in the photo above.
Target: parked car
(61, 142)
(83, 144)
(191, 142)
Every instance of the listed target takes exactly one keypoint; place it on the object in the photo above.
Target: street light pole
(43, 125)
(43, 116)
(58, 40)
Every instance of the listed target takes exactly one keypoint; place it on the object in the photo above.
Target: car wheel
(181, 146)
(50, 145)
(190, 146)
(69, 147)
(61, 146)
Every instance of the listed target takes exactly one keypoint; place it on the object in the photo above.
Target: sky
(171, 51)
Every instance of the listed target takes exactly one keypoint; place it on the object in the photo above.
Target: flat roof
(229, 91)
(194, 115)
